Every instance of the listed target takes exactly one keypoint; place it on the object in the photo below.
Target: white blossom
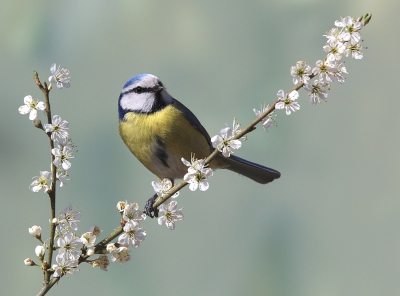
(133, 234)
(132, 213)
(31, 107)
(288, 102)
(121, 205)
(57, 128)
(162, 187)
(198, 174)
(41, 182)
(121, 254)
(317, 92)
(69, 218)
(62, 142)
(88, 239)
(224, 142)
(62, 156)
(268, 120)
(70, 246)
(65, 265)
(334, 52)
(59, 76)
(324, 70)
(62, 176)
(169, 214)
(340, 70)
(332, 36)
(300, 72)
(350, 29)
(354, 50)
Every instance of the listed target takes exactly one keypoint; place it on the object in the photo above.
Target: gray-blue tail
(254, 171)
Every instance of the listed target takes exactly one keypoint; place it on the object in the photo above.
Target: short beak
(157, 88)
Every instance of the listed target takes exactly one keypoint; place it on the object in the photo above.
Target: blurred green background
(328, 226)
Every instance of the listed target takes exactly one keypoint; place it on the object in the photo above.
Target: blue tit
(159, 130)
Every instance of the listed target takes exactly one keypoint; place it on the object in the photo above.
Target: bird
(159, 130)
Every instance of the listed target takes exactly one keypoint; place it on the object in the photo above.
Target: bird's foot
(148, 208)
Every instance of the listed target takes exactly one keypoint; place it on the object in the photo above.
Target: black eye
(139, 90)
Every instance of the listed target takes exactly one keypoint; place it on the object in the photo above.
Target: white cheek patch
(137, 102)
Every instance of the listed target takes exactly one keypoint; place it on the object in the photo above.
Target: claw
(148, 208)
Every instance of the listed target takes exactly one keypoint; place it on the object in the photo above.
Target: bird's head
(143, 93)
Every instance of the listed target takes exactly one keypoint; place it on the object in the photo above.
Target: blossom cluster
(198, 173)
(342, 41)
(168, 211)
(133, 234)
(69, 245)
(72, 247)
(57, 131)
(225, 141)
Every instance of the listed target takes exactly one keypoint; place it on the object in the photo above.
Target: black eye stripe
(140, 90)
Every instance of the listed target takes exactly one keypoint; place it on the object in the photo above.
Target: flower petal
(281, 94)
(53, 68)
(56, 120)
(28, 99)
(203, 185)
(193, 186)
(185, 162)
(41, 106)
(33, 114)
(24, 109)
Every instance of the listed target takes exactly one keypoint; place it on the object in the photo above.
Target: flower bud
(367, 18)
(35, 231)
(37, 123)
(111, 248)
(29, 262)
(39, 251)
(90, 252)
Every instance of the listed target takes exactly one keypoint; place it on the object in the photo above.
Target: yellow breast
(159, 141)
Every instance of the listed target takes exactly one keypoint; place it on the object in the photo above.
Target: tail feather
(254, 171)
